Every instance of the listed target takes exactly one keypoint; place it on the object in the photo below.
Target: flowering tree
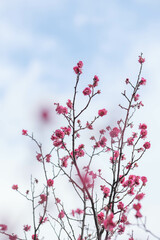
(105, 197)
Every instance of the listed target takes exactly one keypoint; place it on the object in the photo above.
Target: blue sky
(41, 41)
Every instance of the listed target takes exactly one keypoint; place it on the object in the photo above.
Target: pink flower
(142, 126)
(143, 81)
(61, 109)
(137, 206)
(57, 143)
(15, 187)
(87, 91)
(141, 60)
(143, 133)
(39, 157)
(95, 81)
(69, 104)
(77, 70)
(147, 145)
(59, 133)
(144, 180)
(130, 141)
(114, 133)
(61, 214)
(80, 153)
(81, 146)
(26, 228)
(106, 191)
(24, 132)
(103, 141)
(122, 179)
(139, 196)
(100, 217)
(48, 158)
(79, 211)
(89, 126)
(102, 112)
(58, 200)
(108, 223)
(102, 131)
(116, 154)
(138, 214)
(121, 229)
(73, 213)
(80, 64)
(3, 227)
(123, 157)
(43, 198)
(120, 205)
(33, 237)
(67, 130)
(131, 191)
(123, 218)
(50, 182)
(79, 238)
(42, 220)
(136, 97)
(13, 237)
(127, 80)
(134, 135)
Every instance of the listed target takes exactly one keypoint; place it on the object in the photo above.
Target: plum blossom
(50, 182)
(15, 187)
(43, 198)
(147, 145)
(139, 196)
(114, 133)
(26, 228)
(13, 237)
(141, 60)
(108, 223)
(142, 126)
(143, 81)
(87, 91)
(3, 227)
(69, 104)
(24, 132)
(61, 214)
(102, 112)
(100, 217)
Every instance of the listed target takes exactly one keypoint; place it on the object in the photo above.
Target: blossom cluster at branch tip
(24, 132)
(141, 60)
(15, 187)
(78, 69)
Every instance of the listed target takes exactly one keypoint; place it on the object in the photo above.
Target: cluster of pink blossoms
(127, 184)
(58, 136)
(78, 69)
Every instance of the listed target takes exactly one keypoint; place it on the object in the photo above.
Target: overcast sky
(41, 41)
